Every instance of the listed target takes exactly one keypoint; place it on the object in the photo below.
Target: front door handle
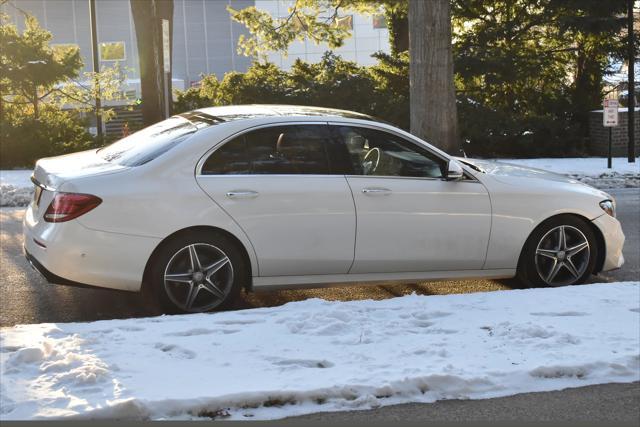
(376, 191)
(242, 194)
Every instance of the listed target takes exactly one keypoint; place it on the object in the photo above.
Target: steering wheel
(370, 161)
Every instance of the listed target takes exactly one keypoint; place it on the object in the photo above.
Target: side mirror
(454, 171)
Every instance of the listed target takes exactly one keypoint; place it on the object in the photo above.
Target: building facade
(204, 36)
(369, 34)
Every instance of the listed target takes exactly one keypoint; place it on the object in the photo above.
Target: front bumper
(613, 241)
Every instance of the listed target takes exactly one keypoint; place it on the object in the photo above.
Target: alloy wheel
(562, 255)
(198, 277)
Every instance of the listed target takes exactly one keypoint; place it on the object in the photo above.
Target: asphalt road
(605, 404)
(26, 298)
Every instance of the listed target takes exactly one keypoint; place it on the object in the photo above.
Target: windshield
(147, 144)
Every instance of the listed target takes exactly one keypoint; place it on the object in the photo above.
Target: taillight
(67, 206)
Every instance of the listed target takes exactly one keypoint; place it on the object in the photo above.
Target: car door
(277, 184)
(410, 219)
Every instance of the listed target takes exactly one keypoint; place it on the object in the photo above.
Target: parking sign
(610, 113)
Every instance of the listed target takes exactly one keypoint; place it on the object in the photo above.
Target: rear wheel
(560, 252)
(198, 272)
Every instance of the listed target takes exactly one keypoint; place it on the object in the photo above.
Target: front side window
(377, 153)
(278, 150)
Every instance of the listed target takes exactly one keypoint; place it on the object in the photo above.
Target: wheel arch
(243, 250)
(601, 249)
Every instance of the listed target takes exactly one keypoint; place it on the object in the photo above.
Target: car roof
(246, 112)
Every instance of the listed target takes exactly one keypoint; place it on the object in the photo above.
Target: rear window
(149, 143)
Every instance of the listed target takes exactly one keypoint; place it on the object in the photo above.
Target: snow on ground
(317, 355)
(12, 196)
(16, 188)
(17, 178)
(589, 170)
(587, 166)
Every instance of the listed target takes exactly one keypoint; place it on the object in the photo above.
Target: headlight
(609, 207)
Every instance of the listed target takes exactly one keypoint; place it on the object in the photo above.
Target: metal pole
(609, 165)
(167, 96)
(96, 63)
(631, 144)
(166, 65)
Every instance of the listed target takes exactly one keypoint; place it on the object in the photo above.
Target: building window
(131, 95)
(112, 51)
(379, 22)
(344, 22)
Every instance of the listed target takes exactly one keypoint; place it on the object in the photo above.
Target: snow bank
(317, 355)
(16, 188)
(15, 196)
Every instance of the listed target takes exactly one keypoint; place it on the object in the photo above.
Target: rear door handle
(376, 191)
(242, 194)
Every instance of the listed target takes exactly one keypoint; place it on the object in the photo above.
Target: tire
(210, 280)
(546, 261)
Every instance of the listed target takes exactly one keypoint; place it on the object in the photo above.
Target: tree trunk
(398, 25)
(432, 92)
(587, 92)
(147, 17)
(34, 101)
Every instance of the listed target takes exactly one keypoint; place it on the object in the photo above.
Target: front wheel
(562, 251)
(198, 272)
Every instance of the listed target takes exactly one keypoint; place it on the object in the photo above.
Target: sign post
(166, 59)
(95, 54)
(609, 120)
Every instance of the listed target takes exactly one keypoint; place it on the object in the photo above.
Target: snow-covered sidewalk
(317, 355)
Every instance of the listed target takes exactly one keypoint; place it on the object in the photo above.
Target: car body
(306, 214)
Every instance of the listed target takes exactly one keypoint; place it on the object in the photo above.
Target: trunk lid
(52, 172)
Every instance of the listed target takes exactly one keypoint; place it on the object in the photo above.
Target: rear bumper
(613, 241)
(69, 253)
(50, 277)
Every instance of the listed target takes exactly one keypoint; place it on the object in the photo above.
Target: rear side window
(230, 159)
(145, 145)
(278, 150)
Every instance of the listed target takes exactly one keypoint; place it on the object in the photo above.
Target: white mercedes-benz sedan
(207, 203)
